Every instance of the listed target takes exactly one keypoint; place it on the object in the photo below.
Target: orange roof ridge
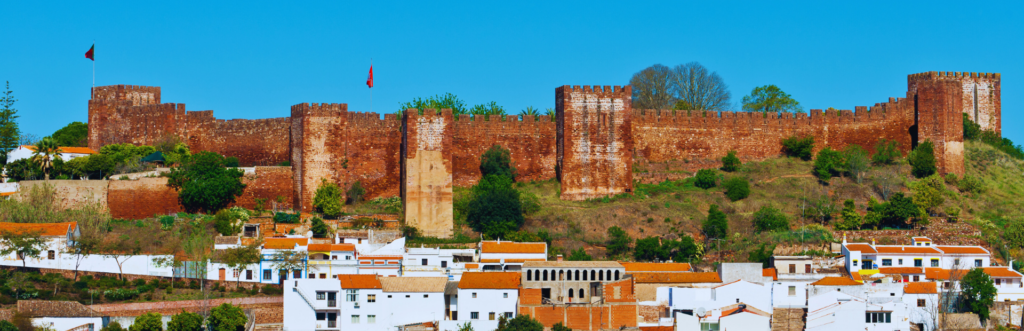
(836, 281)
(350, 281)
(676, 277)
(490, 280)
(920, 288)
(512, 247)
(44, 229)
(770, 272)
(651, 266)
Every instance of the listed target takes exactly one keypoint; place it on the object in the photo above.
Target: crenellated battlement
(134, 93)
(954, 75)
(319, 109)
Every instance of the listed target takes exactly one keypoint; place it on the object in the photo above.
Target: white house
(689, 299)
(330, 260)
(272, 250)
(59, 237)
(483, 297)
(836, 301)
(61, 315)
(507, 255)
(66, 153)
(744, 319)
(922, 300)
(438, 262)
(865, 259)
(833, 311)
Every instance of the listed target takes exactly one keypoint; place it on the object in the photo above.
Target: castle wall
(320, 141)
(268, 183)
(141, 198)
(980, 98)
(531, 143)
(427, 175)
(373, 151)
(939, 105)
(594, 141)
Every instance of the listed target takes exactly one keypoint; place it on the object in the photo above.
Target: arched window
(584, 275)
(616, 275)
(545, 275)
(581, 293)
(561, 275)
(536, 275)
(529, 275)
(592, 278)
(609, 276)
(600, 275)
(570, 293)
(577, 275)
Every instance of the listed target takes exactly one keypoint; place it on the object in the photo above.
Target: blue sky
(255, 59)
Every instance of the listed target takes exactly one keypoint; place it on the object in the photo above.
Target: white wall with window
(483, 298)
(789, 294)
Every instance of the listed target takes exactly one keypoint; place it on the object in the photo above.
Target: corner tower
(595, 141)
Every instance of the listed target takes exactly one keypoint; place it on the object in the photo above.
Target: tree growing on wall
(328, 199)
(227, 317)
(700, 88)
(437, 102)
(25, 244)
(978, 292)
(497, 161)
(204, 183)
(886, 152)
(652, 88)
(770, 99)
(75, 134)
(9, 133)
(801, 147)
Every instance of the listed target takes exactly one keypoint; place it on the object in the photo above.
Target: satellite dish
(701, 311)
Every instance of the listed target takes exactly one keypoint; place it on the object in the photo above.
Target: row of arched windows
(572, 275)
(581, 293)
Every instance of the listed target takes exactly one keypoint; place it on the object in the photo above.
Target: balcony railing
(332, 303)
(332, 324)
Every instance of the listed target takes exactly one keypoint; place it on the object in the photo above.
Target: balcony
(332, 303)
(332, 324)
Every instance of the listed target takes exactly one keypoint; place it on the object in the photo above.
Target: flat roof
(572, 264)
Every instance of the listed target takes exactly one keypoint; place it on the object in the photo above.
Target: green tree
(652, 88)
(241, 257)
(716, 225)
(497, 161)
(113, 326)
(23, 169)
(75, 134)
(829, 163)
(762, 254)
(355, 193)
(618, 241)
(490, 108)
(736, 188)
(580, 255)
(770, 99)
(121, 153)
(7, 326)
(45, 151)
(730, 162)
(648, 249)
(770, 219)
(328, 199)
(9, 133)
(851, 219)
(319, 228)
(227, 222)
(495, 209)
(922, 160)
(801, 147)
(148, 322)
(971, 130)
(529, 111)
(886, 152)
(521, 322)
(706, 178)
(465, 327)
(204, 183)
(1015, 234)
(928, 193)
(231, 162)
(896, 211)
(185, 321)
(560, 327)
(978, 292)
(437, 102)
(856, 161)
(226, 317)
(683, 250)
(26, 244)
(96, 164)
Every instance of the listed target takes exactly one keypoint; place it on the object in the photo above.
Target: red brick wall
(625, 291)
(373, 150)
(145, 197)
(623, 315)
(531, 143)
(578, 318)
(549, 315)
(268, 183)
(981, 97)
(320, 145)
(939, 120)
(529, 296)
(594, 141)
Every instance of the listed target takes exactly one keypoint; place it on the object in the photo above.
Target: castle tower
(595, 141)
(980, 99)
(103, 115)
(427, 171)
(938, 119)
(317, 144)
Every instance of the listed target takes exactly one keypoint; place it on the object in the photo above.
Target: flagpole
(371, 87)
(93, 70)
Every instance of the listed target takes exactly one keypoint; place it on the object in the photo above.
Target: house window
(474, 315)
(878, 317)
(370, 319)
(350, 295)
(935, 263)
(355, 319)
(807, 268)
(920, 302)
(474, 295)
(529, 276)
(348, 257)
(956, 262)
(854, 263)
(900, 261)
(490, 316)
(886, 262)
(792, 268)
(297, 273)
(444, 264)
(321, 295)
(508, 314)
(999, 281)
(323, 276)
(248, 274)
(371, 298)
(792, 291)
(977, 263)
(321, 316)
(425, 296)
(389, 296)
(917, 278)
(51, 255)
(406, 295)
(267, 274)
(423, 262)
(334, 257)
(918, 262)
(505, 295)
(235, 272)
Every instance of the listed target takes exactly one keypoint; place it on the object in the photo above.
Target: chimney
(558, 258)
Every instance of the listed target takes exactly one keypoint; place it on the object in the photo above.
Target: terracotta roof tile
(571, 264)
(836, 281)
(509, 260)
(655, 267)
(907, 250)
(379, 257)
(414, 284)
(963, 250)
(359, 281)
(44, 229)
(64, 149)
(472, 266)
(676, 277)
(942, 274)
(284, 243)
(490, 280)
(856, 277)
(770, 272)
(46, 308)
(1001, 272)
(901, 270)
(921, 239)
(513, 247)
(331, 248)
(920, 288)
(860, 248)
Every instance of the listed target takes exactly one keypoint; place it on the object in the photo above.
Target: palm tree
(46, 150)
(550, 112)
(529, 111)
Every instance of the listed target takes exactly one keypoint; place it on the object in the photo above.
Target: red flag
(369, 79)
(88, 54)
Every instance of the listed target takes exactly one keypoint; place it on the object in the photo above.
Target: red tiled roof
(69, 150)
(860, 248)
(490, 280)
(1001, 272)
(917, 239)
(836, 281)
(654, 267)
(513, 247)
(942, 274)
(359, 282)
(509, 260)
(44, 229)
(963, 250)
(901, 270)
(472, 266)
(677, 277)
(331, 248)
(907, 250)
(920, 288)
(770, 272)
(284, 243)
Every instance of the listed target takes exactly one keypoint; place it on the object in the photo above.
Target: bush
(1003, 144)
(113, 326)
(530, 202)
(148, 322)
(231, 162)
(705, 179)
(922, 160)
(716, 225)
(770, 219)
(271, 290)
(204, 183)
(855, 161)
(829, 163)
(327, 199)
(972, 130)
(226, 223)
(762, 254)
(802, 148)
(893, 213)
(495, 208)
(886, 152)
(497, 161)
(227, 318)
(971, 185)
(286, 218)
(730, 162)
(618, 241)
(185, 321)
(319, 228)
(736, 188)
(579, 255)
(929, 192)
(355, 193)
(851, 219)
(120, 294)
(8, 326)
(647, 249)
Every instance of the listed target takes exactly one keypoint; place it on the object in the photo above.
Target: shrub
(736, 188)
(730, 162)
(286, 218)
(971, 185)
(922, 160)
(226, 318)
(770, 219)
(355, 193)
(855, 161)
(231, 162)
(647, 249)
(226, 224)
(801, 147)
(705, 179)
(530, 202)
(886, 152)
(972, 130)
(1003, 144)
(851, 219)
(716, 225)
(579, 255)
(113, 326)
(120, 294)
(497, 161)
(271, 290)
(148, 322)
(928, 192)
(618, 241)
(762, 254)
(185, 321)
(495, 209)
(319, 228)
(828, 163)
(327, 199)
(204, 183)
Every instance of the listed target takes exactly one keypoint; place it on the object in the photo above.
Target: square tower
(427, 171)
(595, 141)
